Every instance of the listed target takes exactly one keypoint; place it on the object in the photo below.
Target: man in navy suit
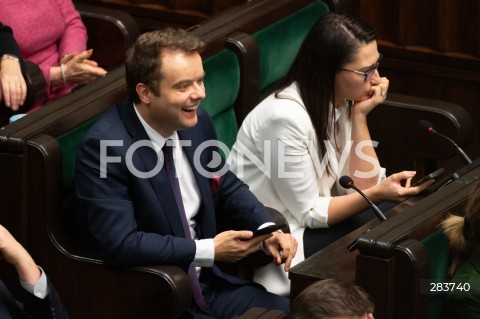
(40, 300)
(133, 209)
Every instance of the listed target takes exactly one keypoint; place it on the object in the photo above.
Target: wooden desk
(372, 265)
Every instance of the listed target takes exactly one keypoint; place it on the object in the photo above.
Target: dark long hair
(331, 43)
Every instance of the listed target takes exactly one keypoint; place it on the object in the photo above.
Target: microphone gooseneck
(347, 182)
(427, 127)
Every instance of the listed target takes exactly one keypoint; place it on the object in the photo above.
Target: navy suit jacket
(32, 308)
(135, 221)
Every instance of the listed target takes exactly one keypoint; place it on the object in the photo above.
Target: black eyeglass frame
(369, 72)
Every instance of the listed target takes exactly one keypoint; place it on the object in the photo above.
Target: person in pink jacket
(51, 34)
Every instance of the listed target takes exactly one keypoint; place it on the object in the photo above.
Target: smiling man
(150, 200)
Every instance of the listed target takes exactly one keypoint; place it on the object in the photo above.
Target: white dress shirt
(205, 249)
(40, 288)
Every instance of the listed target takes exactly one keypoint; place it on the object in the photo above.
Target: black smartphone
(430, 176)
(267, 230)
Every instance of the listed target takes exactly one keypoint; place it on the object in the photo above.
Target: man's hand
(282, 247)
(15, 254)
(231, 246)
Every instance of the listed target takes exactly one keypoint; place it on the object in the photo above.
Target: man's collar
(158, 139)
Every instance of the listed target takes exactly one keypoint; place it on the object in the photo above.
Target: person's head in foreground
(332, 299)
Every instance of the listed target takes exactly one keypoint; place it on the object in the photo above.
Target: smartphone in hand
(430, 176)
(266, 230)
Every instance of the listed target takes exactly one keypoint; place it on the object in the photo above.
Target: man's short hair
(143, 63)
(331, 298)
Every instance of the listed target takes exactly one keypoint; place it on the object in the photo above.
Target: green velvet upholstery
(279, 43)
(69, 143)
(439, 261)
(222, 84)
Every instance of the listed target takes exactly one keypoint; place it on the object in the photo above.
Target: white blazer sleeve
(293, 171)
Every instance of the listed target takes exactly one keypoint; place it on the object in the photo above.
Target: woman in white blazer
(296, 144)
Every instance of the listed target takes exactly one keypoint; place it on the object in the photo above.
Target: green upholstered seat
(279, 43)
(69, 143)
(222, 84)
(439, 261)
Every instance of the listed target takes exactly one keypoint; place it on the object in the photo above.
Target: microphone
(427, 127)
(347, 182)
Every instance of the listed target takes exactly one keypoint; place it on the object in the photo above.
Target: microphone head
(346, 182)
(425, 126)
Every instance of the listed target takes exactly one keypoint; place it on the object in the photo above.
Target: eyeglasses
(367, 74)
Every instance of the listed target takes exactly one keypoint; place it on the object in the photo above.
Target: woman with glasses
(296, 144)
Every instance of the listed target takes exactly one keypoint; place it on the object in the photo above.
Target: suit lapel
(149, 159)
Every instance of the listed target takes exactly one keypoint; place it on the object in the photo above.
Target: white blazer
(276, 154)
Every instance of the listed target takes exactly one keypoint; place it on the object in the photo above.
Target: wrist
(374, 193)
(359, 116)
(64, 76)
(7, 56)
(56, 75)
(9, 63)
(263, 248)
(26, 267)
(29, 273)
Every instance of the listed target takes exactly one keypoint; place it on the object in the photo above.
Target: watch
(9, 57)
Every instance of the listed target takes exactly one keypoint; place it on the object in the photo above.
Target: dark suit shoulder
(109, 124)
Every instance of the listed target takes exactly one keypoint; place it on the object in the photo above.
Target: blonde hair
(463, 233)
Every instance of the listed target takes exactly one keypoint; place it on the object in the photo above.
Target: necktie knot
(168, 146)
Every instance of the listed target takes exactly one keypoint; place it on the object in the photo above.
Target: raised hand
(16, 255)
(77, 68)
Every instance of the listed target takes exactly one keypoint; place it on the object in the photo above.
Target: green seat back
(439, 261)
(280, 42)
(69, 143)
(222, 84)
